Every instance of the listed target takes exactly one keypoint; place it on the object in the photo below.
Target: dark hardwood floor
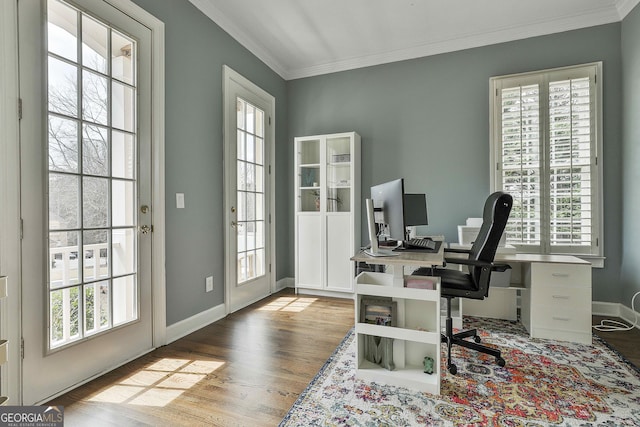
(244, 370)
(626, 343)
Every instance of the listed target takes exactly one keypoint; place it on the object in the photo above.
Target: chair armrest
(465, 261)
(501, 267)
(458, 250)
(475, 263)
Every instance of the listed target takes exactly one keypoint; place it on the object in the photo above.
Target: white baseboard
(193, 323)
(287, 282)
(207, 317)
(613, 309)
(321, 293)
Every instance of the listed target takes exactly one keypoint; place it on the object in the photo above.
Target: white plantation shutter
(544, 136)
(522, 161)
(570, 142)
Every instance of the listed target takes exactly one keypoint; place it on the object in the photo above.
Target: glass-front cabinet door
(309, 176)
(338, 176)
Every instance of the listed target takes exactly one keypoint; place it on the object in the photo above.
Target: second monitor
(395, 211)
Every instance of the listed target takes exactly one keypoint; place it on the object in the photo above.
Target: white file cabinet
(556, 301)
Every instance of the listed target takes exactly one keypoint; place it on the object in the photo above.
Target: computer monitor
(374, 249)
(415, 210)
(388, 204)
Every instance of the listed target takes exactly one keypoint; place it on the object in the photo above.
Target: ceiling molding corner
(626, 6)
(220, 19)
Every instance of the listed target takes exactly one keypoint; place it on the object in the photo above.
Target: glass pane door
(92, 177)
(250, 191)
(309, 176)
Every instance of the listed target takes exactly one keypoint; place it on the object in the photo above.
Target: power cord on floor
(608, 325)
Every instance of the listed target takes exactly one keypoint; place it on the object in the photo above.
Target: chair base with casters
(450, 339)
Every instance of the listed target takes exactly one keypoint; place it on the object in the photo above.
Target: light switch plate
(180, 200)
(209, 284)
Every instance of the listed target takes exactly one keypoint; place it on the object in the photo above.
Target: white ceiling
(302, 38)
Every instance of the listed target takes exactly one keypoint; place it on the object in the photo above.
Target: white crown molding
(625, 7)
(604, 15)
(213, 13)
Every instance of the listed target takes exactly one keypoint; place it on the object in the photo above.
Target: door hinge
(269, 169)
(19, 108)
(269, 268)
(21, 228)
(21, 347)
(269, 120)
(269, 218)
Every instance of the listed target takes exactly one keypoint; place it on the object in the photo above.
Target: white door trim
(229, 75)
(158, 273)
(10, 317)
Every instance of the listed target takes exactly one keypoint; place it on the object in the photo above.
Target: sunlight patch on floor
(158, 384)
(293, 304)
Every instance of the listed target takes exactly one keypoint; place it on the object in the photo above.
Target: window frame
(594, 252)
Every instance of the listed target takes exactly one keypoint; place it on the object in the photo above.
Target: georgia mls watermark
(31, 416)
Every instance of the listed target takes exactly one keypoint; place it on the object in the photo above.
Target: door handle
(145, 229)
(234, 224)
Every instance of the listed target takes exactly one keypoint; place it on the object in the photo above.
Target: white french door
(248, 112)
(85, 85)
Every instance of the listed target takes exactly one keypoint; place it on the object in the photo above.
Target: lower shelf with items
(415, 334)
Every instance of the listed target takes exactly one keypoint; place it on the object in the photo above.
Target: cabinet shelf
(395, 332)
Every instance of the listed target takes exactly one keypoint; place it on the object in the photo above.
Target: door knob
(145, 229)
(234, 224)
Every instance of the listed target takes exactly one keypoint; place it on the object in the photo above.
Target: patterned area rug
(545, 383)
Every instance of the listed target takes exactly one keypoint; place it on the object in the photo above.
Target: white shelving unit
(416, 334)
(327, 212)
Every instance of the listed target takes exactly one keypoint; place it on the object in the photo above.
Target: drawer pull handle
(565, 319)
(560, 274)
(561, 296)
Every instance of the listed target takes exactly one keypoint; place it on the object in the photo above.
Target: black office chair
(475, 283)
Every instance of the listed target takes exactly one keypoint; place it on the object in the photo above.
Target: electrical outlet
(208, 284)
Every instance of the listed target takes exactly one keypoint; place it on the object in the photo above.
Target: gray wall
(630, 273)
(427, 120)
(196, 49)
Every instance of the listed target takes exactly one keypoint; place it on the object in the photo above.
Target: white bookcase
(327, 212)
(416, 334)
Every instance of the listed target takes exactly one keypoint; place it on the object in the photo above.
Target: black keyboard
(421, 244)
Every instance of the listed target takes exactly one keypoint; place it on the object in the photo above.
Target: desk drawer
(561, 297)
(576, 319)
(552, 274)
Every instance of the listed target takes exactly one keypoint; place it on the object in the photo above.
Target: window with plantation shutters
(545, 142)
